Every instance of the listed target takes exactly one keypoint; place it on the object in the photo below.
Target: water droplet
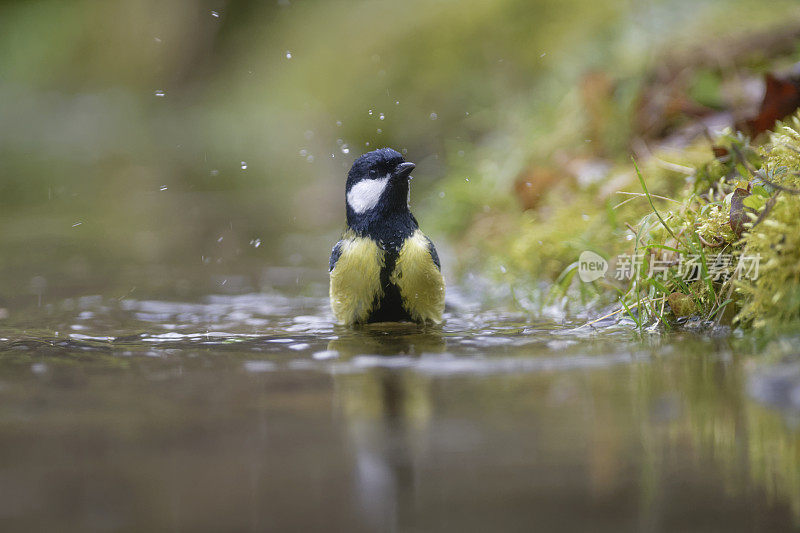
(243, 165)
(156, 39)
(466, 179)
(381, 116)
(220, 239)
(370, 112)
(404, 150)
(397, 102)
(502, 269)
(75, 225)
(289, 55)
(163, 188)
(345, 149)
(339, 141)
(214, 172)
(461, 153)
(339, 123)
(380, 131)
(310, 158)
(366, 143)
(159, 93)
(333, 155)
(543, 54)
(434, 116)
(466, 113)
(215, 14)
(303, 152)
(441, 194)
(255, 243)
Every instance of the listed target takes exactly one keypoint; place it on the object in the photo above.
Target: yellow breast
(420, 282)
(356, 279)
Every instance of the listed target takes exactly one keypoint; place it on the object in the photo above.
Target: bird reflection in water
(388, 414)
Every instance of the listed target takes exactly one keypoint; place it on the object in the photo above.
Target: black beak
(403, 170)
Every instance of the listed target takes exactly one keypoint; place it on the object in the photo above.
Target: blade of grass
(630, 314)
(652, 205)
(718, 311)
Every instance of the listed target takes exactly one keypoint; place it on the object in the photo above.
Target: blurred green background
(177, 148)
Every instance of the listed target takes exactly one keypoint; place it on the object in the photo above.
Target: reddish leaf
(781, 98)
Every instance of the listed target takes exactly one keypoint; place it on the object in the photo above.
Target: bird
(384, 269)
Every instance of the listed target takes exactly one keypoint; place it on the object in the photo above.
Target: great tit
(384, 269)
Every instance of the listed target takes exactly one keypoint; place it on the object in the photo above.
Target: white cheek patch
(365, 194)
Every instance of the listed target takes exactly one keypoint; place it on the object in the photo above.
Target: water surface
(254, 412)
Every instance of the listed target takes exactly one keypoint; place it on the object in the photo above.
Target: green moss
(757, 273)
(772, 300)
(681, 304)
(677, 224)
(714, 224)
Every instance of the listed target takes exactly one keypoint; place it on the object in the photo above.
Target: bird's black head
(377, 187)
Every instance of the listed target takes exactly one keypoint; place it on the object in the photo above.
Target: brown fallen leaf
(738, 216)
(781, 98)
(533, 184)
(719, 151)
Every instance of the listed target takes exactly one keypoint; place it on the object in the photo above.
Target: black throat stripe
(389, 307)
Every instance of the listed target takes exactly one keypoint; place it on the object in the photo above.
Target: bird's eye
(373, 173)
